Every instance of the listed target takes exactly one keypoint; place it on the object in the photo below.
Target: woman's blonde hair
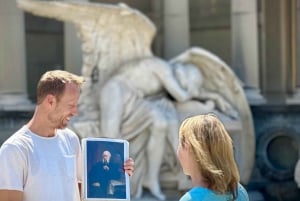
(212, 148)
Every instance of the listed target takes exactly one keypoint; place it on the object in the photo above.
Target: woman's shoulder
(203, 194)
(242, 193)
(195, 194)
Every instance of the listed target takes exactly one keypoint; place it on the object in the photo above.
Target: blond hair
(54, 82)
(212, 149)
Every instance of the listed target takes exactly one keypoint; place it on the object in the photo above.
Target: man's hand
(11, 195)
(105, 167)
(129, 166)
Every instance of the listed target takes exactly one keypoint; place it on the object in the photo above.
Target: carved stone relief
(134, 95)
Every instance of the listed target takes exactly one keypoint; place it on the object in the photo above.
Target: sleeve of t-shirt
(77, 149)
(242, 194)
(12, 167)
(79, 163)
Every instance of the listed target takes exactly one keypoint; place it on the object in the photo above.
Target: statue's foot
(154, 188)
(139, 193)
(158, 195)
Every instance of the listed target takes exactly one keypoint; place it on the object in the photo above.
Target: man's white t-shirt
(44, 168)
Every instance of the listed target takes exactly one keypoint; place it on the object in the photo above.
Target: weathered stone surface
(133, 95)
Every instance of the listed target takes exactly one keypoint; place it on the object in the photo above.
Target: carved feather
(110, 34)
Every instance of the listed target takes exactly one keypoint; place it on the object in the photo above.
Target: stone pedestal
(15, 102)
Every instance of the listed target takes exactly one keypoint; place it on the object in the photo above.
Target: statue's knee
(160, 124)
(159, 120)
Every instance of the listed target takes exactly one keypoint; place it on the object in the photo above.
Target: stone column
(176, 27)
(279, 50)
(72, 43)
(13, 85)
(244, 32)
(298, 44)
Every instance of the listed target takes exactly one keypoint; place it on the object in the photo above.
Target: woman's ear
(189, 148)
(186, 146)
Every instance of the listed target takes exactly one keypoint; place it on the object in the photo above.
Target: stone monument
(134, 95)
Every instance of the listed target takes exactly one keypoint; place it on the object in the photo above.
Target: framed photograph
(103, 174)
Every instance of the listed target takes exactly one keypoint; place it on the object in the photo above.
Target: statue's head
(189, 77)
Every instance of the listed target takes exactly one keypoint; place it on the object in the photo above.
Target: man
(101, 175)
(42, 160)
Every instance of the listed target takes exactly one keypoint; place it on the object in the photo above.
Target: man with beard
(42, 160)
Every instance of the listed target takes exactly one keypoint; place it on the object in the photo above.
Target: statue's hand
(232, 113)
(222, 104)
(226, 108)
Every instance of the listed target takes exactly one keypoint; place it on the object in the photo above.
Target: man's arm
(12, 172)
(11, 195)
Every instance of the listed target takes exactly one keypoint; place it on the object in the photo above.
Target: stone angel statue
(134, 95)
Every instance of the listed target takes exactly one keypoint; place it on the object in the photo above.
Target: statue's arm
(221, 104)
(171, 84)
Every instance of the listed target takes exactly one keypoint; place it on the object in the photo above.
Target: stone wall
(11, 121)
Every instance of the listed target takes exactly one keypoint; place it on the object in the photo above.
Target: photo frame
(103, 175)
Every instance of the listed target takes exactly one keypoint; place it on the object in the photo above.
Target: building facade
(259, 39)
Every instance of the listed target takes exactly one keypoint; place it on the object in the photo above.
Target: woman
(205, 152)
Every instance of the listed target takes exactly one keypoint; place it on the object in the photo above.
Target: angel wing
(110, 34)
(219, 78)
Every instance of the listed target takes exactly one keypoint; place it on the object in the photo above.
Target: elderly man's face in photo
(106, 156)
